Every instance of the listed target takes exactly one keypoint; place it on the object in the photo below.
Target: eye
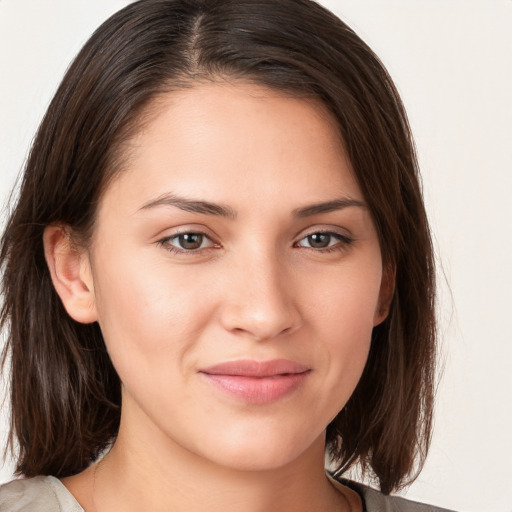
(325, 240)
(187, 242)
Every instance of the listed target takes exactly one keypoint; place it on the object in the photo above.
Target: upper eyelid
(338, 236)
(166, 242)
(190, 232)
(186, 230)
(340, 232)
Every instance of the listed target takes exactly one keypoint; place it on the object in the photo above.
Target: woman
(219, 266)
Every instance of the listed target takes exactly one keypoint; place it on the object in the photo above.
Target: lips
(257, 382)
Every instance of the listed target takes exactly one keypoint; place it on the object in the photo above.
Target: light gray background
(452, 62)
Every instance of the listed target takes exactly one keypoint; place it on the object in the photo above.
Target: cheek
(345, 302)
(343, 317)
(149, 316)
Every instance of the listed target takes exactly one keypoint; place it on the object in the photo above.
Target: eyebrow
(208, 208)
(329, 206)
(191, 205)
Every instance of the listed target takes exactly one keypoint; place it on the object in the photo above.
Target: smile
(257, 382)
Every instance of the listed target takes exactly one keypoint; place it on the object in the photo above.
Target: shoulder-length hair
(65, 394)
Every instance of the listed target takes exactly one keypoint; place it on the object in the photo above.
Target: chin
(262, 452)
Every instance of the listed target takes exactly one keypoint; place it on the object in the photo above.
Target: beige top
(39, 494)
(48, 494)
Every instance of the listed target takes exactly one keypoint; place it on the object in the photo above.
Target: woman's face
(236, 275)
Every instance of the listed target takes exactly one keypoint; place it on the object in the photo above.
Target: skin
(254, 289)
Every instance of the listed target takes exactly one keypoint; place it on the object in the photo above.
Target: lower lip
(258, 390)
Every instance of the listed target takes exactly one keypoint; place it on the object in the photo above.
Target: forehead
(236, 105)
(225, 139)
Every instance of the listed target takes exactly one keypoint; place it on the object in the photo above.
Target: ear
(387, 290)
(71, 274)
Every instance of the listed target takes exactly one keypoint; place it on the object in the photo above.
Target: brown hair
(65, 394)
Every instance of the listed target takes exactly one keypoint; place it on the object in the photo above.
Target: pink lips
(257, 382)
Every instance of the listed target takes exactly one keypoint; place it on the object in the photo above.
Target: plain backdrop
(452, 63)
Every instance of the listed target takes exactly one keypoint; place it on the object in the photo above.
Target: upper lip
(253, 368)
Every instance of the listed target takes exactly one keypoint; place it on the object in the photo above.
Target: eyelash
(166, 243)
(343, 242)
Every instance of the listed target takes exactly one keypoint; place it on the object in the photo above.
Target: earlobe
(71, 274)
(387, 290)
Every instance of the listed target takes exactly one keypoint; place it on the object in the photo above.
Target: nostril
(247, 322)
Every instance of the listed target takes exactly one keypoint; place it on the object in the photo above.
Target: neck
(146, 471)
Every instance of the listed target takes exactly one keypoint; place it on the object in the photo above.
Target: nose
(260, 300)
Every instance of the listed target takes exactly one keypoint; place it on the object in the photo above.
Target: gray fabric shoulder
(38, 494)
(375, 501)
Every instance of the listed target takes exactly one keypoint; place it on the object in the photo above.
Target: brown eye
(319, 240)
(190, 241)
(325, 240)
(183, 243)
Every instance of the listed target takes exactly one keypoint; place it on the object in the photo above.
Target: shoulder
(375, 501)
(38, 494)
